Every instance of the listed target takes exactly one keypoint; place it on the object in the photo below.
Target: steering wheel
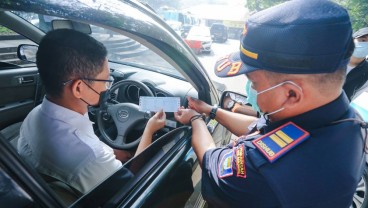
(125, 116)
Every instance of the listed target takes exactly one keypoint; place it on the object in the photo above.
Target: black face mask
(100, 94)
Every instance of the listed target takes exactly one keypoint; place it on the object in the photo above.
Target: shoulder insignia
(279, 141)
(225, 167)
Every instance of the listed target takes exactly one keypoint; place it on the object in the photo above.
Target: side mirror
(236, 102)
(27, 52)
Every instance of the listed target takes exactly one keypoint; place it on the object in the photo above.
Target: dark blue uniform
(355, 79)
(322, 170)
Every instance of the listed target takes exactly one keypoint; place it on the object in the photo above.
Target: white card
(154, 104)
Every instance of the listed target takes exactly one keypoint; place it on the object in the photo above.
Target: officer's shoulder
(280, 141)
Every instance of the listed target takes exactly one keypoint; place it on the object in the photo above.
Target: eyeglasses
(108, 82)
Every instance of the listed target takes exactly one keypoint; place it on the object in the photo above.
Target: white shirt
(61, 143)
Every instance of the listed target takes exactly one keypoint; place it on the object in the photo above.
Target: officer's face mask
(253, 95)
(361, 49)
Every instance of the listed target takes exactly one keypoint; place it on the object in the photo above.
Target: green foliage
(358, 11)
(5, 31)
(258, 5)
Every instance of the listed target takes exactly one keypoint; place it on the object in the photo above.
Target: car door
(20, 86)
(162, 176)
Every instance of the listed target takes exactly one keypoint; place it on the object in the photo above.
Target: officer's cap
(296, 37)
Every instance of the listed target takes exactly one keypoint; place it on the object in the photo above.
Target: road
(237, 83)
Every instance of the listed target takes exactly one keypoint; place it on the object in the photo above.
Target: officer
(307, 149)
(357, 78)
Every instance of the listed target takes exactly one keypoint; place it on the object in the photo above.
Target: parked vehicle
(146, 58)
(219, 32)
(199, 39)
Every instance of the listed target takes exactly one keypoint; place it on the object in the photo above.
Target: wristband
(213, 112)
(195, 117)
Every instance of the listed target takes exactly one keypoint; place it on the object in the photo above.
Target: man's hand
(156, 122)
(199, 106)
(184, 115)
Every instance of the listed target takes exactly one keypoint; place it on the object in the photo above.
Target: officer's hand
(199, 106)
(184, 115)
(157, 121)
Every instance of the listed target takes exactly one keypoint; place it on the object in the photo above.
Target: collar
(318, 117)
(68, 116)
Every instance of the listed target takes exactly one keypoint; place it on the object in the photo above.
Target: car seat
(66, 193)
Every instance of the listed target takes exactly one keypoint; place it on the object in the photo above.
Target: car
(219, 32)
(146, 58)
(199, 39)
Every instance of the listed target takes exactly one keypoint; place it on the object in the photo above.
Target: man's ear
(77, 88)
(294, 96)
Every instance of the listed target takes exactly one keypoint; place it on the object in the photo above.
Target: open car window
(9, 41)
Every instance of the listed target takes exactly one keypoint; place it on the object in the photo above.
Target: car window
(121, 49)
(361, 105)
(9, 42)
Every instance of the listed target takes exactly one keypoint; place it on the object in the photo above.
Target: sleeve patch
(240, 161)
(281, 140)
(225, 168)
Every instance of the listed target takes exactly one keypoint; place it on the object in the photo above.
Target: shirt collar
(66, 115)
(318, 117)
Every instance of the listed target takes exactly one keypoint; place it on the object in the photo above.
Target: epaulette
(276, 143)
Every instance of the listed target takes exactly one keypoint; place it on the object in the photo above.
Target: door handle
(25, 80)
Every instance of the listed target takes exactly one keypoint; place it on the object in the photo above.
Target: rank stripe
(278, 140)
(284, 137)
(300, 136)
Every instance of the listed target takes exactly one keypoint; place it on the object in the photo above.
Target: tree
(258, 5)
(358, 11)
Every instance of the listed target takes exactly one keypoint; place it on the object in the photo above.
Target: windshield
(121, 49)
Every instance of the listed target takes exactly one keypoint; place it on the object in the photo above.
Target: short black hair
(66, 54)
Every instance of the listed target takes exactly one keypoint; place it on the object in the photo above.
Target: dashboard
(159, 85)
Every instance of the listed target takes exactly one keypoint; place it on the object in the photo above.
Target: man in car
(307, 149)
(57, 137)
(357, 78)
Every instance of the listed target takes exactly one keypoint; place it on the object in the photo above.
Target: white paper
(154, 104)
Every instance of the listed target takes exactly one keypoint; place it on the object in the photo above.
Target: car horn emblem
(123, 115)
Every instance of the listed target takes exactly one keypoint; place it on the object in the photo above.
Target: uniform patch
(279, 141)
(240, 161)
(225, 167)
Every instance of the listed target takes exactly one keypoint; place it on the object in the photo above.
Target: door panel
(18, 90)
(19, 80)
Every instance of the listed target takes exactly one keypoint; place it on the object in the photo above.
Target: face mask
(361, 49)
(253, 94)
(100, 94)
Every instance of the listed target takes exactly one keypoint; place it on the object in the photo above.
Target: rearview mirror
(68, 24)
(27, 52)
(236, 102)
